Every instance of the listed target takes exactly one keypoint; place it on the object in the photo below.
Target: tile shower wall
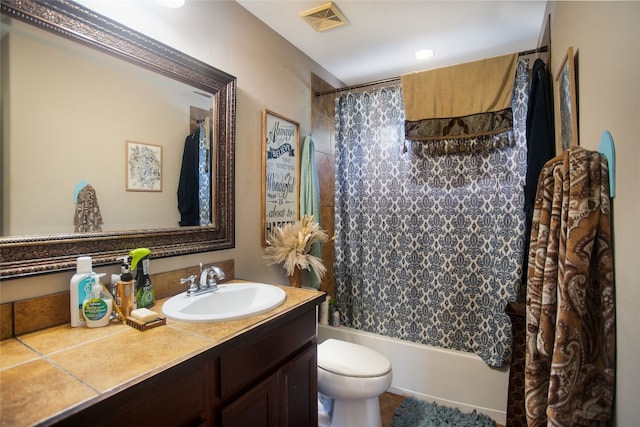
(323, 134)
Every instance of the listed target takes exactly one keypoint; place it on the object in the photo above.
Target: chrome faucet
(209, 278)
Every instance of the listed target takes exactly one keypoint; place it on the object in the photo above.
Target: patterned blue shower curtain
(204, 186)
(428, 248)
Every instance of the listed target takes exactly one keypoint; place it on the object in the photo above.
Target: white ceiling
(381, 36)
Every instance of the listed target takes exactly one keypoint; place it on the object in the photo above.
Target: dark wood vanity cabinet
(285, 398)
(266, 376)
(284, 360)
(258, 407)
(299, 390)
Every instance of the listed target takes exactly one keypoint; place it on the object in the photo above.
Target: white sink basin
(231, 301)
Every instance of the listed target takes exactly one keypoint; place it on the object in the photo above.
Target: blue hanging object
(607, 148)
(76, 190)
(310, 195)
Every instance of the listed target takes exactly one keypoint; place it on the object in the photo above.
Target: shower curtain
(570, 357)
(428, 248)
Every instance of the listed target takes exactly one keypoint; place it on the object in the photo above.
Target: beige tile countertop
(50, 371)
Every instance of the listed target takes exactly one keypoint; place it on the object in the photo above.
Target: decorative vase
(295, 280)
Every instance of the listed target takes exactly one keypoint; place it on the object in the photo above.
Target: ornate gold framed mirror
(30, 254)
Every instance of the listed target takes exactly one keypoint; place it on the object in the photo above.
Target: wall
(605, 37)
(271, 74)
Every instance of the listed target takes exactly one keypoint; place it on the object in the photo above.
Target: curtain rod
(393, 79)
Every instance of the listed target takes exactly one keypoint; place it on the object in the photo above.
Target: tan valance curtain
(460, 102)
(460, 90)
(570, 357)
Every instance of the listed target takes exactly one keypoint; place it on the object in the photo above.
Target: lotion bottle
(97, 307)
(79, 287)
(126, 290)
(324, 311)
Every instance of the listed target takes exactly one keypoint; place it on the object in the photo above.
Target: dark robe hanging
(540, 146)
(188, 201)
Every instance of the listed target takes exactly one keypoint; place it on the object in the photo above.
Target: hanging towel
(88, 218)
(570, 356)
(310, 194)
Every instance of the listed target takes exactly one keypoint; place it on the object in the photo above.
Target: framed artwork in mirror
(144, 167)
(565, 104)
(280, 172)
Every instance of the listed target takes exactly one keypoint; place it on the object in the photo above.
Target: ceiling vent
(324, 17)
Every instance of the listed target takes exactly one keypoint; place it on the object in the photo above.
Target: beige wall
(605, 37)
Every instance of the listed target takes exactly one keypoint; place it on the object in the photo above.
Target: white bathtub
(448, 377)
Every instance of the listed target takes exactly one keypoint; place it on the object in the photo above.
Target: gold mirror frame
(38, 254)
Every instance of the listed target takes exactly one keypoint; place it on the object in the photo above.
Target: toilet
(351, 377)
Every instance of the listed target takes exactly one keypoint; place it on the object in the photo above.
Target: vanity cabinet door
(256, 408)
(255, 358)
(287, 398)
(299, 390)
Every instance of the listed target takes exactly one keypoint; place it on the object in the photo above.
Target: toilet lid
(345, 358)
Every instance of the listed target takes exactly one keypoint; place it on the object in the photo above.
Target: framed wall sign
(144, 167)
(280, 172)
(565, 104)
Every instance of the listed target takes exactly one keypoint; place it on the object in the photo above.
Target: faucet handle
(192, 282)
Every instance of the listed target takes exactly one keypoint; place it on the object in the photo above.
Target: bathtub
(448, 377)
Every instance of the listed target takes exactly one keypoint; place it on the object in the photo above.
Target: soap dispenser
(97, 307)
(145, 294)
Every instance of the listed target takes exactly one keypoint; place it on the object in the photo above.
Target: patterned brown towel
(570, 358)
(88, 218)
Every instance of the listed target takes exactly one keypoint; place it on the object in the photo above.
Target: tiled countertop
(51, 371)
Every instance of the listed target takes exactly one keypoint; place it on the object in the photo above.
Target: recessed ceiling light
(423, 54)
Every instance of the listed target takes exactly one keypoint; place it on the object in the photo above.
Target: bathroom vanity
(259, 371)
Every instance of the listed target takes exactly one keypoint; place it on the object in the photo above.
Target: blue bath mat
(418, 413)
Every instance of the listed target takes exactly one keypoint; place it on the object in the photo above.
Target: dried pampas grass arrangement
(290, 246)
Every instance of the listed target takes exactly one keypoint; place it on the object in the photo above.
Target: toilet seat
(352, 360)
